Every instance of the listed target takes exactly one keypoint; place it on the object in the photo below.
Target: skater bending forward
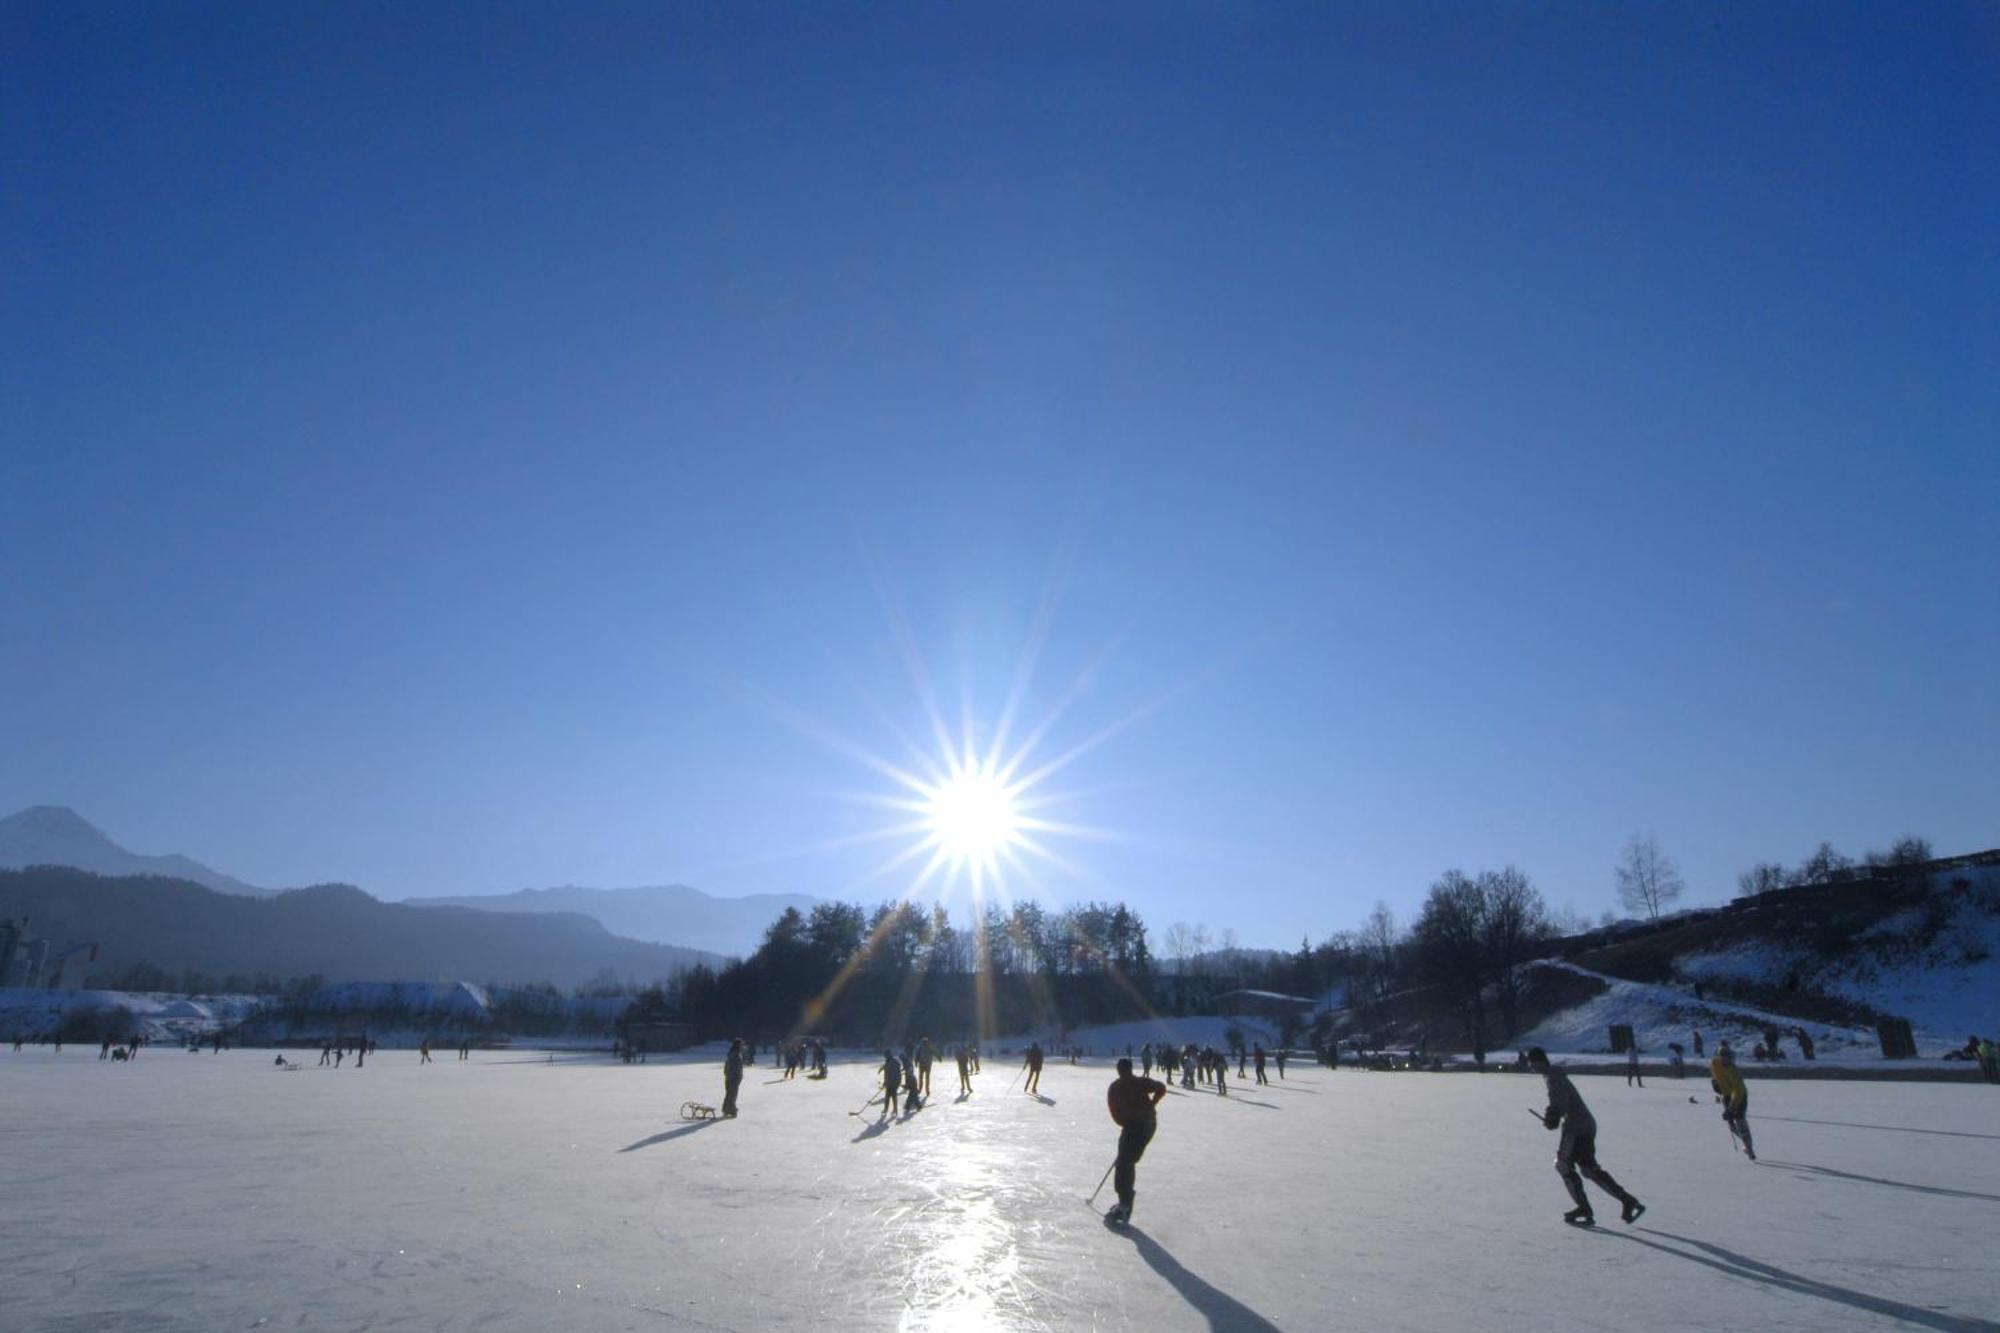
(1576, 1156)
(1133, 1101)
(1728, 1083)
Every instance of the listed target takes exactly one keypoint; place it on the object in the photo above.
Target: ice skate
(1580, 1217)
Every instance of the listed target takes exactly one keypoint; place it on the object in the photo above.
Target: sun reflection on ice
(965, 1269)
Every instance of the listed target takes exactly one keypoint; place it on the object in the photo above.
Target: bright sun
(971, 815)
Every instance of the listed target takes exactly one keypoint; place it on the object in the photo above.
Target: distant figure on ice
(892, 1082)
(1577, 1152)
(424, 1051)
(964, 1071)
(913, 1094)
(1134, 1104)
(1033, 1064)
(1258, 1056)
(1632, 1074)
(1805, 1042)
(1674, 1059)
(732, 1077)
(1280, 1058)
(1146, 1060)
(1697, 1043)
(926, 1056)
(1728, 1083)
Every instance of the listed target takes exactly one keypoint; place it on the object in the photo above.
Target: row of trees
(1827, 866)
(901, 971)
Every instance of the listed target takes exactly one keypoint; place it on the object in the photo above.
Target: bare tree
(1179, 942)
(1516, 919)
(1647, 878)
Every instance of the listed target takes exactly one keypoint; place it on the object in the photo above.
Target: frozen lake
(209, 1192)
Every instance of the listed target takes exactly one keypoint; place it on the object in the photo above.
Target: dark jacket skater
(964, 1071)
(732, 1076)
(1134, 1103)
(892, 1082)
(1033, 1064)
(1578, 1151)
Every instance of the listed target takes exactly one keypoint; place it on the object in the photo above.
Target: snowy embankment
(31, 1012)
(1662, 1014)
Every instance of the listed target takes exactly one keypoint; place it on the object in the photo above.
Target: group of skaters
(807, 1053)
(332, 1053)
(1205, 1066)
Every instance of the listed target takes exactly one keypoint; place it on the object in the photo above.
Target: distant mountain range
(333, 930)
(675, 915)
(666, 913)
(55, 835)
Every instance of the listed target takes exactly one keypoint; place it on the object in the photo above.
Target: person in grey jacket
(1576, 1155)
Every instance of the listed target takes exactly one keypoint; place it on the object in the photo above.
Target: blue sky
(451, 449)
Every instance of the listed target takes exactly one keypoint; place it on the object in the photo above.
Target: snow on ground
(516, 1191)
(1660, 1014)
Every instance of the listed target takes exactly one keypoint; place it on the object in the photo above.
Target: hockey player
(1033, 1064)
(892, 1082)
(1728, 1084)
(1577, 1152)
(1134, 1105)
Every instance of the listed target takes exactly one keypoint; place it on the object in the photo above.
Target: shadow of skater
(1046, 1101)
(1938, 1190)
(681, 1132)
(1754, 1270)
(1896, 1129)
(1225, 1314)
(874, 1128)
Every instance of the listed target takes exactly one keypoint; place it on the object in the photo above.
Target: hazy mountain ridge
(332, 930)
(664, 914)
(55, 835)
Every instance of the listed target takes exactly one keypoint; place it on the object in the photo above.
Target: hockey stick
(1100, 1184)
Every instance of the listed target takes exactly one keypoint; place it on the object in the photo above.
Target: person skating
(964, 1071)
(732, 1077)
(926, 1056)
(1033, 1064)
(424, 1051)
(1577, 1153)
(1146, 1059)
(1280, 1057)
(1134, 1105)
(1728, 1083)
(1258, 1056)
(1222, 1076)
(892, 1083)
(913, 1095)
(1632, 1074)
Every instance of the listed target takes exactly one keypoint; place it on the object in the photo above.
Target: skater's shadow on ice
(1237, 1099)
(1046, 1101)
(1224, 1312)
(679, 1133)
(1939, 1190)
(1735, 1265)
(878, 1127)
(1900, 1129)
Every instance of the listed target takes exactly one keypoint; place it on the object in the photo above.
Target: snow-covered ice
(207, 1192)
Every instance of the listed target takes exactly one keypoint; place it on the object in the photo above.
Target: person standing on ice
(892, 1082)
(1728, 1083)
(1134, 1104)
(964, 1071)
(1033, 1064)
(1577, 1152)
(1146, 1059)
(1632, 1074)
(926, 1056)
(732, 1077)
(1258, 1056)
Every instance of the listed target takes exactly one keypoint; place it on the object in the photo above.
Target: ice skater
(1033, 1064)
(892, 1082)
(964, 1071)
(1577, 1153)
(1728, 1083)
(1632, 1074)
(1258, 1056)
(1134, 1103)
(732, 1077)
